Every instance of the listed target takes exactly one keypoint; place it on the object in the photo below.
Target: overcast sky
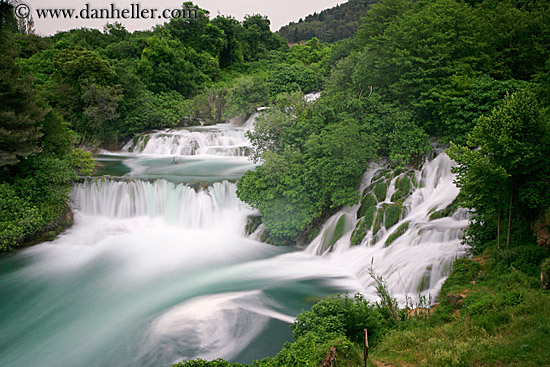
(280, 12)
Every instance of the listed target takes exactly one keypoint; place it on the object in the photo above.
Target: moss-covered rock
(380, 190)
(369, 217)
(424, 281)
(338, 230)
(378, 221)
(252, 223)
(397, 233)
(358, 233)
(334, 233)
(445, 212)
(412, 176)
(403, 188)
(380, 174)
(368, 201)
(392, 215)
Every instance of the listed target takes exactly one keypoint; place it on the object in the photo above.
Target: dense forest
(329, 25)
(473, 76)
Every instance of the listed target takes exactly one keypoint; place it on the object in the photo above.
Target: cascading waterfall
(154, 271)
(178, 204)
(405, 226)
(218, 140)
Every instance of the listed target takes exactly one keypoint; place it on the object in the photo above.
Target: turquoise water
(154, 272)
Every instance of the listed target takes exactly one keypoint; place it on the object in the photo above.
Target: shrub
(202, 363)
(341, 316)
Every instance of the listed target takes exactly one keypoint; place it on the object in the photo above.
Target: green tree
(510, 167)
(20, 115)
(246, 94)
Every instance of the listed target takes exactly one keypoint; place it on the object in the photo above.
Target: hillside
(329, 25)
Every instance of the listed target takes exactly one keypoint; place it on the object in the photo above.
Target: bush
(341, 316)
(202, 363)
(290, 78)
(311, 349)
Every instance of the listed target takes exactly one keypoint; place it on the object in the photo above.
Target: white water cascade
(415, 254)
(217, 140)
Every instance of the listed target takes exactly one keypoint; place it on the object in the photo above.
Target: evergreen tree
(20, 116)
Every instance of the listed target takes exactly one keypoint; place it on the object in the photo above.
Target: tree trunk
(498, 229)
(510, 219)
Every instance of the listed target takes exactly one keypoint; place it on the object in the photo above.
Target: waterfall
(154, 271)
(219, 140)
(405, 226)
(178, 204)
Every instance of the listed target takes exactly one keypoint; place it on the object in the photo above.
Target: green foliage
(510, 164)
(35, 200)
(246, 95)
(20, 114)
(279, 191)
(82, 162)
(202, 363)
(461, 101)
(18, 218)
(340, 316)
(329, 25)
(290, 78)
(326, 162)
(311, 349)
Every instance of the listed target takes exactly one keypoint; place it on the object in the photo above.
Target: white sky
(280, 12)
